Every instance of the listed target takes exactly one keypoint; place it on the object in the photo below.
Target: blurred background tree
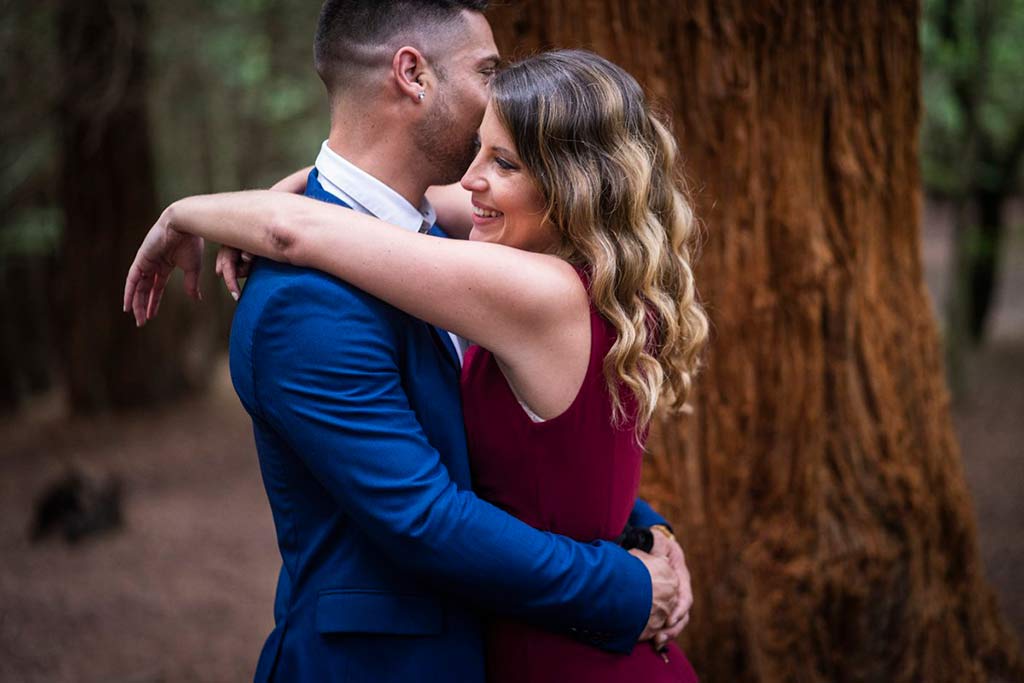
(972, 146)
(30, 220)
(117, 107)
(107, 192)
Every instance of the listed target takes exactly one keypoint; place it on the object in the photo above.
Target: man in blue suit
(388, 557)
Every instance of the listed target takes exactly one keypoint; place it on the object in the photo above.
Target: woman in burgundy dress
(575, 282)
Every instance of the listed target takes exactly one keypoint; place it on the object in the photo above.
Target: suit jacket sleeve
(644, 515)
(327, 378)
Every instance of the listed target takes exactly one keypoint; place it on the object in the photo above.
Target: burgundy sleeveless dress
(575, 475)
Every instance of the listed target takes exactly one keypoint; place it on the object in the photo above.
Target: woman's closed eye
(505, 164)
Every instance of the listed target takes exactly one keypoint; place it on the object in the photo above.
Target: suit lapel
(443, 339)
(442, 335)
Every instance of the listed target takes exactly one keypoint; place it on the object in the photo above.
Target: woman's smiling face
(508, 208)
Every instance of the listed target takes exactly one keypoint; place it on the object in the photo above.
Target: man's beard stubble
(445, 148)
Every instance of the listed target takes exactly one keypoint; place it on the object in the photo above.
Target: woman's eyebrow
(502, 150)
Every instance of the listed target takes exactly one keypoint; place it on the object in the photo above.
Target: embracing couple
(447, 510)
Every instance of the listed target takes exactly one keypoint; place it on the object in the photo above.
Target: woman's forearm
(261, 222)
(492, 294)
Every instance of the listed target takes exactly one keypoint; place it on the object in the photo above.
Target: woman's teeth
(484, 213)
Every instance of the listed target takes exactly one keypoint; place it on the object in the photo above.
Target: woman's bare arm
(293, 182)
(503, 298)
(233, 264)
(454, 207)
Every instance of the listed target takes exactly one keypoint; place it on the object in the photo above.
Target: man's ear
(412, 74)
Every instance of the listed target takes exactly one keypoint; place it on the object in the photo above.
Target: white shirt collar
(367, 194)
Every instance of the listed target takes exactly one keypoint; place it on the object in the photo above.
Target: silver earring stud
(422, 95)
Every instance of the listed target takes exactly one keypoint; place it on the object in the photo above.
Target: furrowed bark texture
(817, 490)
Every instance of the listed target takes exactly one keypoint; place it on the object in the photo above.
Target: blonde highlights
(607, 168)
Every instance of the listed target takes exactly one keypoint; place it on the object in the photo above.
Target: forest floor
(184, 591)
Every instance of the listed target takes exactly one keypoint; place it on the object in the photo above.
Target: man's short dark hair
(351, 34)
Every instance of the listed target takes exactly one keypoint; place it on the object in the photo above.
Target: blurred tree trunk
(28, 226)
(818, 489)
(988, 176)
(26, 339)
(108, 193)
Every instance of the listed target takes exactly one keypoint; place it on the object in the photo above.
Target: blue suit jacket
(386, 553)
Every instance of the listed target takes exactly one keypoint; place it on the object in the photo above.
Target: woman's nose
(474, 180)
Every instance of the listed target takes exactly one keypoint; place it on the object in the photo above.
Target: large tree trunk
(818, 489)
(109, 199)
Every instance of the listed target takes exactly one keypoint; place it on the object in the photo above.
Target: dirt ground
(183, 593)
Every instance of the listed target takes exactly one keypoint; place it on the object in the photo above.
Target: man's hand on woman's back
(666, 545)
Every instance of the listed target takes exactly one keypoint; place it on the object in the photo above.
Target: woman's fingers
(227, 268)
(192, 285)
(162, 250)
(153, 300)
(130, 284)
(138, 278)
(140, 300)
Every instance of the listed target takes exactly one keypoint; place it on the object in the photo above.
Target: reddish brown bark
(818, 488)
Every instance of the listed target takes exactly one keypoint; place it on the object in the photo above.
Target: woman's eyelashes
(505, 164)
(502, 163)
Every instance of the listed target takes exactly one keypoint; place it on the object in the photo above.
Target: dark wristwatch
(640, 538)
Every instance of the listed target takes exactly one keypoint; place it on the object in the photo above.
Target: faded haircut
(354, 37)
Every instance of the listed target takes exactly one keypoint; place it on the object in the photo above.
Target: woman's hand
(294, 182)
(454, 206)
(233, 264)
(163, 250)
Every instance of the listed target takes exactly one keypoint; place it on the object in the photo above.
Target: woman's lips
(483, 214)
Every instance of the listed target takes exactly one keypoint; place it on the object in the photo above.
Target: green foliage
(28, 88)
(234, 103)
(31, 231)
(973, 54)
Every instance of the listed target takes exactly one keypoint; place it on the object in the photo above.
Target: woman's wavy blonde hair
(607, 168)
